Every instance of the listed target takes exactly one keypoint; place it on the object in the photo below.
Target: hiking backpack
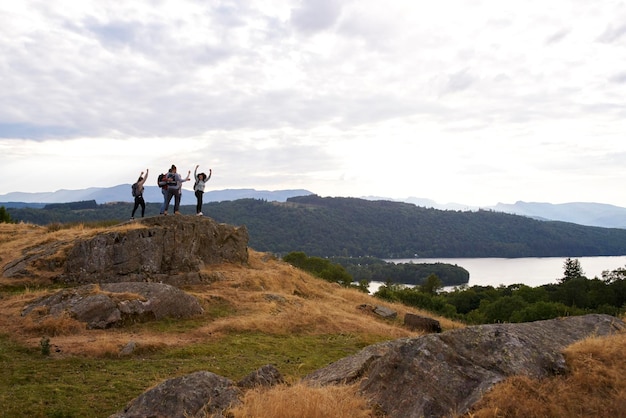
(161, 179)
(134, 189)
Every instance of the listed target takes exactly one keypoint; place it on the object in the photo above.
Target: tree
(611, 276)
(4, 216)
(572, 270)
(431, 285)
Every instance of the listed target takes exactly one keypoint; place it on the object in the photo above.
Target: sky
(473, 102)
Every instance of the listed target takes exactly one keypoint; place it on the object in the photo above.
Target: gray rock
(267, 375)
(128, 349)
(385, 312)
(195, 395)
(116, 304)
(382, 311)
(422, 323)
(445, 374)
(169, 249)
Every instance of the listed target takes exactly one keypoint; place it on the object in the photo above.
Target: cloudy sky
(473, 101)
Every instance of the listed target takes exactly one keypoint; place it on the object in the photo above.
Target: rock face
(115, 304)
(442, 374)
(170, 249)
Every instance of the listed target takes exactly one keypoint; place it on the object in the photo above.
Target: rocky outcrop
(168, 249)
(115, 304)
(201, 394)
(442, 374)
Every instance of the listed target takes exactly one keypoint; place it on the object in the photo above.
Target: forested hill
(356, 227)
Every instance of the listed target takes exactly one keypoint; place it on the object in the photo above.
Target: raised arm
(143, 177)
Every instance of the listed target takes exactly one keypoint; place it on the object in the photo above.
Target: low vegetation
(574, 294)
(265, 312)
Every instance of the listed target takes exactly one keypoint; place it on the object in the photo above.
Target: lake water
(533, 271)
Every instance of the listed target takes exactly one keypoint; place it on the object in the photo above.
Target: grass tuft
(287, 401)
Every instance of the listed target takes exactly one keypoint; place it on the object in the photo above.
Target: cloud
(557, 36)
(37, 132)
(618, 78)
(459, 81)
(315, 15)
(612, 33)
(340, 97)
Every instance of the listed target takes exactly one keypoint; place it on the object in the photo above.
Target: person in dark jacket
(138, 192)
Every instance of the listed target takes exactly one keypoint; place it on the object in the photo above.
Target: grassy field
(304, 325)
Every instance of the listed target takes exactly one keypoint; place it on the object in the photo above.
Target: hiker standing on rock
(198, 188)
(137, 189)
(174, 186)
(162, 182)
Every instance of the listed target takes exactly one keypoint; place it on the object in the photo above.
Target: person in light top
(198, 187)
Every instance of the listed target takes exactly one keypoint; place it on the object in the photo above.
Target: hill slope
(356, 227)
(255, 314)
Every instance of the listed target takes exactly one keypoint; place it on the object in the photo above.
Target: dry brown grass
(272, 297)
(267, 296)
(287, 401)
(594, 387)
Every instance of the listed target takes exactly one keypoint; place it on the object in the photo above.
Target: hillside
(356, 227)
(260, 312)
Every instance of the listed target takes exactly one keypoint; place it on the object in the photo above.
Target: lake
(532, 271)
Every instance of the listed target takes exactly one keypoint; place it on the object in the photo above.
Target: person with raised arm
(198, 188)
(137, 189)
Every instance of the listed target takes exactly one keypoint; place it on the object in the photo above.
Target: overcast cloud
(473, 101)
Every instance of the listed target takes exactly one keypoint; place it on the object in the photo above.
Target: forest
(573, 294)
(351, 227)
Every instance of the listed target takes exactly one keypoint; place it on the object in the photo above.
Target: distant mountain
(582, 213)
(590, 214)
(426, 203)
(122, 193)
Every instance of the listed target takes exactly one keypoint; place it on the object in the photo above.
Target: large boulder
(168, 249)
(115, 304)
(442, 374)
(421, 323)
(199, 394)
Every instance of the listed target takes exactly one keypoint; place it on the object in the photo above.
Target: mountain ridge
(582, 213)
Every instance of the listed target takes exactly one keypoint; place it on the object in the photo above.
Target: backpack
(134, 189)
(161, 179)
